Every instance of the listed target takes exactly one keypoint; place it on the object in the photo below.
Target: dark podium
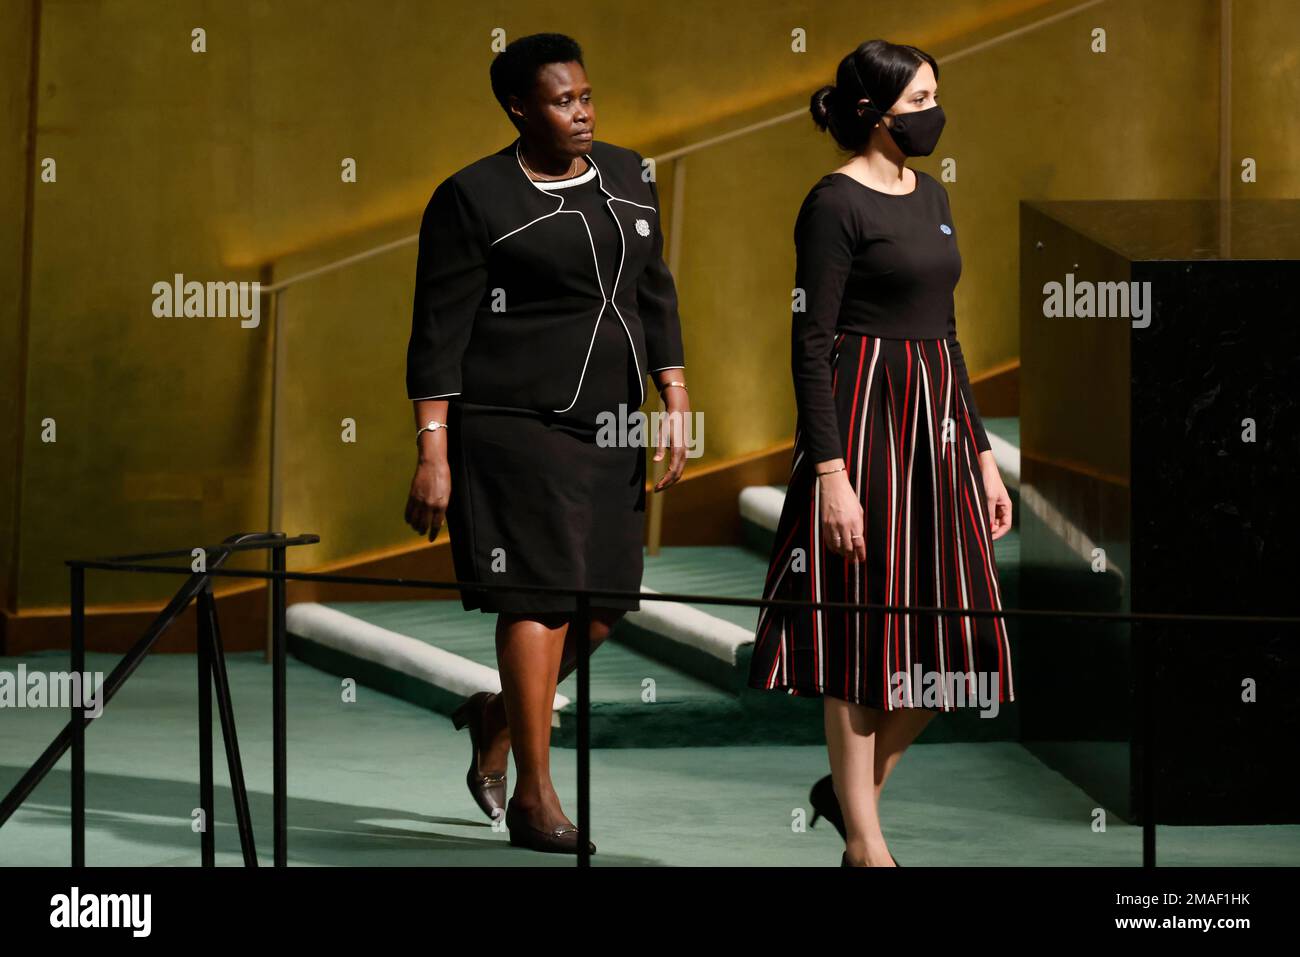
(1160, 472)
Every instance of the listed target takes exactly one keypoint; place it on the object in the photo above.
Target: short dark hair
(878, 70)
(514, 69)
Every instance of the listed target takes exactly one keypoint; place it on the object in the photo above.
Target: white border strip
(1008, 458)
(762, 504)
(410, 656)
(692, 627)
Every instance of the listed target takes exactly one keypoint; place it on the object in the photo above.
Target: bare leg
(496, 728)
(895, 731)
(529, 649)
(528, 658)
(602, 622)
(851, 744)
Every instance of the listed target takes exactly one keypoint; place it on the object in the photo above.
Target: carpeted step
(712, 642)
(760, 511)
(674, 675)
(715, 642)
(435, 654)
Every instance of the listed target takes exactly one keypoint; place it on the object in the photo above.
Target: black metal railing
(212, 671)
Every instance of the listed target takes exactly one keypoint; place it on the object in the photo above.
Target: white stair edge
(691, 626)
(761, 504)
(1008, 458)
(410, 656)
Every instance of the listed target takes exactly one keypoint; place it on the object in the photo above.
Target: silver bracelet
(431, 427)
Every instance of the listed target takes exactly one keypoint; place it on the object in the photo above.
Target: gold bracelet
(829, 471)
(673, 383)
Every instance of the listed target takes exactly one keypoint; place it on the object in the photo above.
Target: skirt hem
(532, 605)
(805, 691)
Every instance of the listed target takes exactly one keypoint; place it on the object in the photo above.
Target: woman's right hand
(430, 491)
(841, 514)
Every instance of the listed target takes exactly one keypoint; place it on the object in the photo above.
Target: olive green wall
(218, 164)
(16, 114)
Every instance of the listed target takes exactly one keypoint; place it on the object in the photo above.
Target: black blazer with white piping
(508, 291)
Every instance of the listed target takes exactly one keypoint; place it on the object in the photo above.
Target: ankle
(494, 712)
(530, 797)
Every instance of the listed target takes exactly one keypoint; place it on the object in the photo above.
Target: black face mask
(917, 133)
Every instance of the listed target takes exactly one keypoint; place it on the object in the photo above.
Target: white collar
(586, 177)
(546, 186)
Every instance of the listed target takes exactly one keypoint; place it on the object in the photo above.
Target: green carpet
(380, 782)
(725, 570)
(1005, 428)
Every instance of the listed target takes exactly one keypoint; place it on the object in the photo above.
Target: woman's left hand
(672, 434)
(999, 502)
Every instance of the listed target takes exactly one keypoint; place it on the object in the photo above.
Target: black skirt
(912, 459)
(537, 500)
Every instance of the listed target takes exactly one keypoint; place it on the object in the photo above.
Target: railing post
(78, 667)
(280, 754)
(275, 454)
(1147, 712)
(654, 531)
(207, 801)
(210, 632)
(582, 646)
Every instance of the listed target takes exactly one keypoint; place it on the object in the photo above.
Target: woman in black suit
(542, 302)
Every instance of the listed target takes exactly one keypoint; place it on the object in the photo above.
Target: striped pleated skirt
(911, 456)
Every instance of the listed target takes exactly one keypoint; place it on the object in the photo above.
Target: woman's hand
(426, 506)
(999, 502)
(677, 405)
(841, 513)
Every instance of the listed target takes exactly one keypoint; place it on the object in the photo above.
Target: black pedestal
(1161, 473)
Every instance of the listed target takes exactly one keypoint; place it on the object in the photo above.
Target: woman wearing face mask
(894, 497)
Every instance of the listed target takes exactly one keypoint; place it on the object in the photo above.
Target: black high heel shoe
(561, 839)
(844, 860)
(488, 790)
(826, 804)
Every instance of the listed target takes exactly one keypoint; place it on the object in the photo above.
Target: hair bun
(822, 103)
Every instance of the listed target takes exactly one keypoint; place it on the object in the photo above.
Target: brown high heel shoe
(561, 839)
(487, 789)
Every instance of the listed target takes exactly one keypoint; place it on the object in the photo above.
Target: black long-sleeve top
(875, 264)
(508, 288)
